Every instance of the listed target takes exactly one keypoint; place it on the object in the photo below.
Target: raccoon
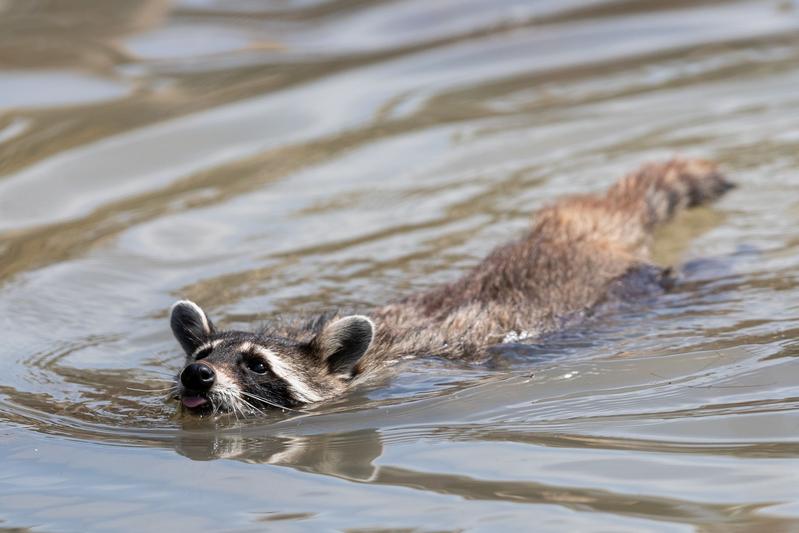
(580, 253)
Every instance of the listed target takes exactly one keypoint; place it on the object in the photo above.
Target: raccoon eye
(256, 366)
(205, 352)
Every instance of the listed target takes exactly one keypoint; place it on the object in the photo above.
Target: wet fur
(580, 252)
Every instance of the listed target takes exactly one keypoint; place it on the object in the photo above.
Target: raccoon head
(244, 373)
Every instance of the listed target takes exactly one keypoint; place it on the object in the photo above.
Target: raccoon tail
(658, 191)
(625, 217)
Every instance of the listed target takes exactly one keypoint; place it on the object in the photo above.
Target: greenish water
(271, 158)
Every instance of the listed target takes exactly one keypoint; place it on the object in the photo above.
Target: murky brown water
(269, 158)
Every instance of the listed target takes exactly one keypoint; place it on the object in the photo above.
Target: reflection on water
(273, 158)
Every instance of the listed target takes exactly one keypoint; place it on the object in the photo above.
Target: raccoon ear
(342, 343)
(190, 325)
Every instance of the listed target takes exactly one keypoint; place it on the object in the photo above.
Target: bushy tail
(626, 216)
(657, 191)
(578, 250)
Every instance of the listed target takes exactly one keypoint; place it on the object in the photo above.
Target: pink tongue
(194, 401)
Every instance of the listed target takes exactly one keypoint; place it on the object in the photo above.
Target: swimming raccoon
(581, 252)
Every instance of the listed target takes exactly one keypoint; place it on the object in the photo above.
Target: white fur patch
(227, 392)
(225, 383)
(211, 345)
(518, 336)
(299, 387)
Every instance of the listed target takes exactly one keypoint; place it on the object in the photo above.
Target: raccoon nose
(198, 376)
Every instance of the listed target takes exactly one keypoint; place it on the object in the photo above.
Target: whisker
(235, 411)
(239, 406)
(231, 401)
(267, 402)
(251, 406)
(150, 390)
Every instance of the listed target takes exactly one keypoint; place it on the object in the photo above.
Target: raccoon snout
(198, 377)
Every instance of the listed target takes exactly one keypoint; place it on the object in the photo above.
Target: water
(273, 158)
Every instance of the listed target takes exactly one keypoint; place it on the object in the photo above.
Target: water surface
(283, 157)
